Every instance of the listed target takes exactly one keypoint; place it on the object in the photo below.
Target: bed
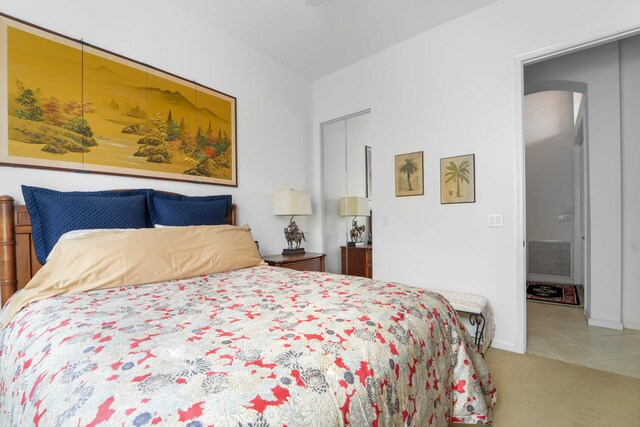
(254, 346)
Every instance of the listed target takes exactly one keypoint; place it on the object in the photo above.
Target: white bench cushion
(471, 303)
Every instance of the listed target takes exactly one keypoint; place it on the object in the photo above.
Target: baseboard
(611, 324)
(504, 346)
(631, 325)
(551, 279)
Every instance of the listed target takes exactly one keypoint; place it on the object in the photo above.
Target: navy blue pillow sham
(54, 213)
(179, 210)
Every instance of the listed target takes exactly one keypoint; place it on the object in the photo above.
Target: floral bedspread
(261, 346)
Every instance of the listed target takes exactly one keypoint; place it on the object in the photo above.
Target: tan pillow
(114, 259)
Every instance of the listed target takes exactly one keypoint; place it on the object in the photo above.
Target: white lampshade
(354, 206)
(291, 202)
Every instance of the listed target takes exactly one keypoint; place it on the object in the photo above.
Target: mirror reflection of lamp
(292, 203)
(354, 207)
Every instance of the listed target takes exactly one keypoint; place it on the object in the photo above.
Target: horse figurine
(294, 236)
(356, 231)
(298, 238)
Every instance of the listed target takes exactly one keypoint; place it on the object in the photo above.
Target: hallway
(561, 333)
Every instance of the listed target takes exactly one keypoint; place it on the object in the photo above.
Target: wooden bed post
(231, 218)
(8, 276)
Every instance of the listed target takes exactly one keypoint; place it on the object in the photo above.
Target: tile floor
(561, 333)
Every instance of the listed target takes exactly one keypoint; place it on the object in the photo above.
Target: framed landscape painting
(409, 174)
(70, 106)
(457, 179)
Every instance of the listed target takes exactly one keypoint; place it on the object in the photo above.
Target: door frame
(582, 229)
(553, 51)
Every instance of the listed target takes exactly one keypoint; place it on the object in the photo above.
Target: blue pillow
(177, 210)
(54, 213)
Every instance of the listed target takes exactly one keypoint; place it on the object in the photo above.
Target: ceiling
(318, 40)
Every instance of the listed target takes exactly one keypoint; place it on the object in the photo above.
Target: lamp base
(351, 243)
(298, 251)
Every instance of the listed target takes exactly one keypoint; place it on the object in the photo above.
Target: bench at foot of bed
(475, 311)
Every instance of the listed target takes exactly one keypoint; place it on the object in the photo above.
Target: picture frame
(457, 179)
(68, 105)
(368, 173)
(409, 174)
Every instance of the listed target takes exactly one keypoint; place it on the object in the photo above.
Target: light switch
(385, 221)
(495, 220)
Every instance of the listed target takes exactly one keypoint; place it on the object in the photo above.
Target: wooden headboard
(18, 262)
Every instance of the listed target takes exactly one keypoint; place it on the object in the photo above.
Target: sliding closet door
(344, 143)
(334, 146)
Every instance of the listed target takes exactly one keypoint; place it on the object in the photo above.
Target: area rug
(554, 293)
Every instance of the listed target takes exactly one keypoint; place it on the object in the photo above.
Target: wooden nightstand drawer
(308, 265)
(303, 262)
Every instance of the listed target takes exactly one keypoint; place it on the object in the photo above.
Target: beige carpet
(540, 392)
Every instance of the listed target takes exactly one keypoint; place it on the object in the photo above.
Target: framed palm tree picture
(458, 179)
(409, 174)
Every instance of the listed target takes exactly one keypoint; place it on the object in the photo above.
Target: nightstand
(304, 262)
(357, 260)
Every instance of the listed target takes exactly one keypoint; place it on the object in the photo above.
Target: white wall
(451, 91)
(549, 137)
(274, 103)
(630, 107)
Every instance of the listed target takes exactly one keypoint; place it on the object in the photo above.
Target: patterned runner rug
(555, 293)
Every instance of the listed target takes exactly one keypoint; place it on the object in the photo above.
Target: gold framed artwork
(409, 174)
(457, 179)
(68, 105)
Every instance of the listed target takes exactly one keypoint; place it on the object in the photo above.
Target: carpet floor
(535, 391)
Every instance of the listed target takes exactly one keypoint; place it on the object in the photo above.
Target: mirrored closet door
(347, 195)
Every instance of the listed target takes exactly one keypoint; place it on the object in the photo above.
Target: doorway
(555, 153)
(554, 165)
(606, 129)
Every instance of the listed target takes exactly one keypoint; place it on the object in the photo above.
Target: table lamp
(292, 203)
(355, 207)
